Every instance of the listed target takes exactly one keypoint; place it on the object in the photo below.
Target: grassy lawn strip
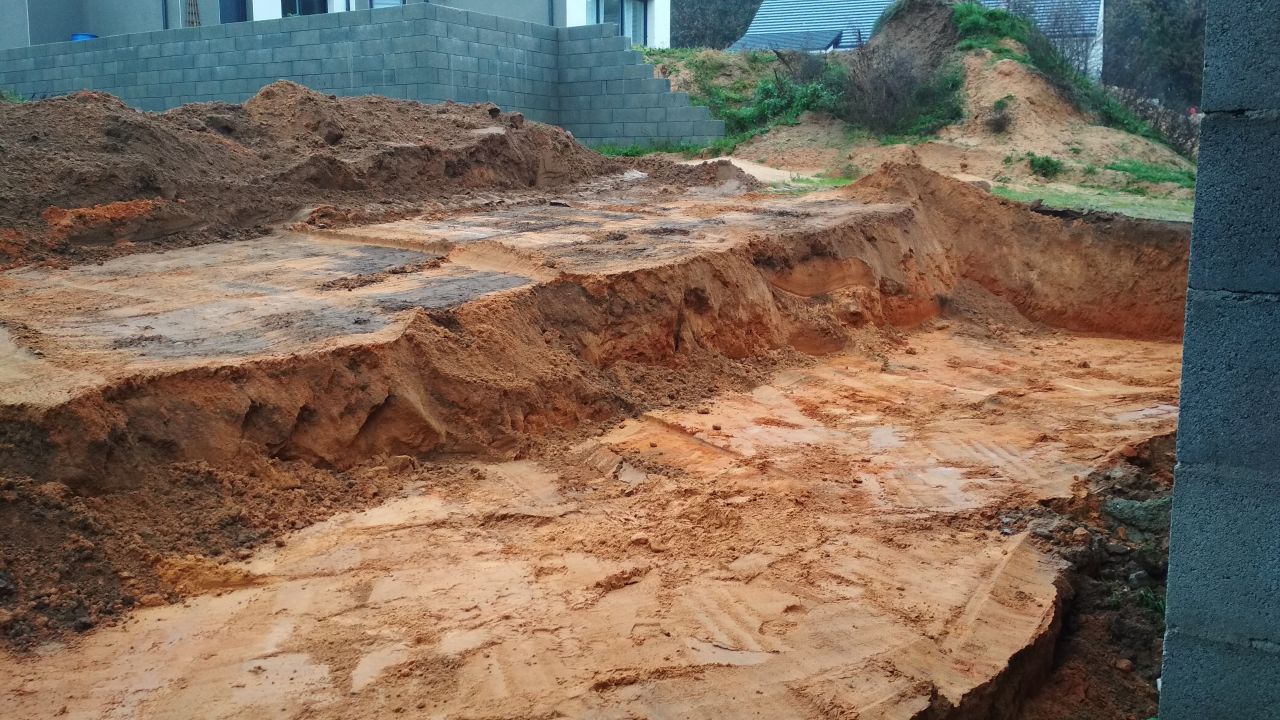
(1146, 172)
(1100, 200)
(642, 150)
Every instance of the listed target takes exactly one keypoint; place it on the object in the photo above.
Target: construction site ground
(320, 407)
(633, 454)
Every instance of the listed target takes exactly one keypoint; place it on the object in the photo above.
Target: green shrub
(776, 100)
(893, 92)
(1044, 166)
(10, 97)
(1146, 172)
(999, 119)
(980, 26)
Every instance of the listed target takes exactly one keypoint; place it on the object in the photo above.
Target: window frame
(622, 17)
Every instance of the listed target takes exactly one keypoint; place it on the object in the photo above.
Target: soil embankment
(87, 177)
(611, 309)
(1091, 273)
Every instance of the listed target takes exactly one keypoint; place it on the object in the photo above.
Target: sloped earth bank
(644, 456)
(85, 177)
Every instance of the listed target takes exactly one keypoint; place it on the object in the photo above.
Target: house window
(635, 21)
(289, 8)
(386, 3)
(233, 11)
(631, 17)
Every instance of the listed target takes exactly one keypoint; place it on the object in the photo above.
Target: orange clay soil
(85, 177)
(637, 455)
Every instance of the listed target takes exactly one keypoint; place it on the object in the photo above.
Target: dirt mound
(1037, 108)
(923, 28)
(86, 170)
(1093, 273)
(73, 561)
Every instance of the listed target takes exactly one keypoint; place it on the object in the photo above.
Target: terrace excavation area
(608, 455)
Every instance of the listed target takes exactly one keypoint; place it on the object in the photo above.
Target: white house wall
(660, 23)
(15, 31)
(539, 11)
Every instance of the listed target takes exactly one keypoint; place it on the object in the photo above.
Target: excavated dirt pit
(642, 457)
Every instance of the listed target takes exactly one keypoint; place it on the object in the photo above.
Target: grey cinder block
(1242, 56)
(630, 115)
(304, 37)
(1231, 360)
(1236, 243)
(643, 71)
(1208, 680)
(606, 72)
(481, 20)
(1220, 588)
(686, 113)
(640, 129)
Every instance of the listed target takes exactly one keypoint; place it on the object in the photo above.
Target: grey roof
(1059, 18)
(798, 40)
(815, 24)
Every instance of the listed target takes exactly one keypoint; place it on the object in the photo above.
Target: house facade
(1074, 26)
(37, 22)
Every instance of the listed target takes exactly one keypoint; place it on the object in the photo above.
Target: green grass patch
(776, 100)
(940, 103)
(719, 78)
(1045, 166)
(1103, 200)
(642, 150)
(803, 185)
(1146, 172)
(748, 91)
(824, 182)
(8, 96)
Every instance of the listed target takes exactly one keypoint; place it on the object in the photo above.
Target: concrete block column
(1222, 645)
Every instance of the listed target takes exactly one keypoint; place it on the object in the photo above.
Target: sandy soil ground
(829, 542)
(87, 177)
(652, 454)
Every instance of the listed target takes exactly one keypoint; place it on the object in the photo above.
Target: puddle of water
(883, 438)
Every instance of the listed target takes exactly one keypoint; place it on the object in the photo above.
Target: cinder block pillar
(1222, 644)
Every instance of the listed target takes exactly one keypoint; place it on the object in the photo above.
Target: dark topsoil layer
(81, 175)
(1116, 537)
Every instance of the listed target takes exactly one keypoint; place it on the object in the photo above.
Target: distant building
(1074, 26)
(36, 22)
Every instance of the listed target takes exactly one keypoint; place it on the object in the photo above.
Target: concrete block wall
(609, 95)
(418, 51)
(1222, 644)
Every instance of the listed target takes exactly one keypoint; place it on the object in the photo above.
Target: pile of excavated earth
(344, 408)
(84, 174)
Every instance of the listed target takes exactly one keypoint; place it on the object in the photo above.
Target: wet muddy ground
(828, 542)
(615, 457)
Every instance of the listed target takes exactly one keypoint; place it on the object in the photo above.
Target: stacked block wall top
(418, 51)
